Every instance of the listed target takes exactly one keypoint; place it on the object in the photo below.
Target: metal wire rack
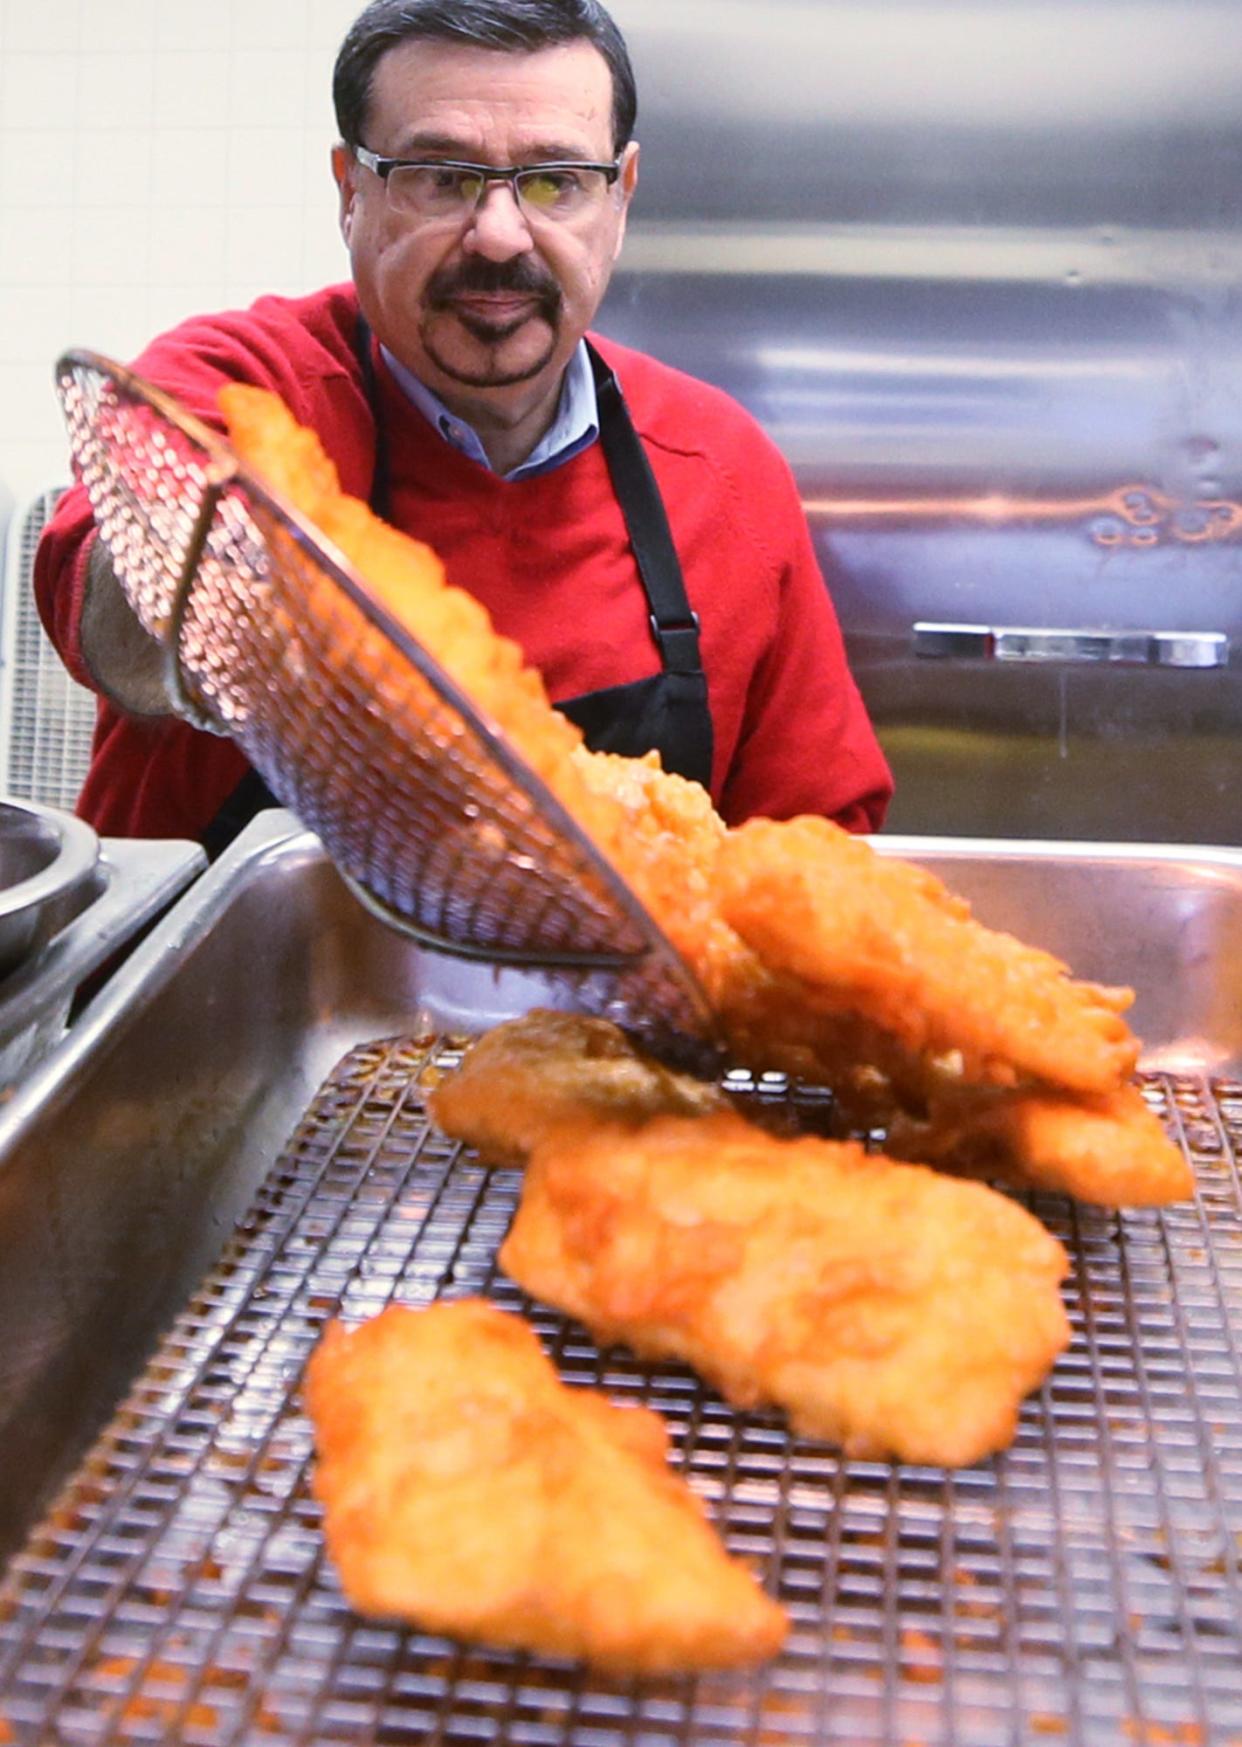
(269, 637)
(1085, 1587)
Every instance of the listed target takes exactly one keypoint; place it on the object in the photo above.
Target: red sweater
(548, 556)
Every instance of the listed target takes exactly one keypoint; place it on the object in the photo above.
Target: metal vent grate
(47, 720)
(1084, 1588)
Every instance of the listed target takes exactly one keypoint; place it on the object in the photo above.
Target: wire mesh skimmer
(437, 823)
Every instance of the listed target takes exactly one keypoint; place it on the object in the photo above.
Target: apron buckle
(678, 644)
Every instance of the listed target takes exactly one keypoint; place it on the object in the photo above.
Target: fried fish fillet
(1104, 1147)
(883, 1307)
(667, 852)
(1110, 1150)
(666, 844)
(468, 1491)
(916, 1002)
(530, 1074)
(884, 940)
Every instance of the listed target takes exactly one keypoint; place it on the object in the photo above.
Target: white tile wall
(157, 158)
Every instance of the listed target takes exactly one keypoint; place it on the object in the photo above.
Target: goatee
(489, 375)
(520, 277)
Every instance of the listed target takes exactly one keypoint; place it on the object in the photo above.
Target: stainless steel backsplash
(978, 269)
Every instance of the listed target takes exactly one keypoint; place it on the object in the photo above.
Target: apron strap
(381, 477)
(674, 625)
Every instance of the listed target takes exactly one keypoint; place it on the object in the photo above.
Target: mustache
(521, 276)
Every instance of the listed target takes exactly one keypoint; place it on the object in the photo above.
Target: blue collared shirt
(574, 428)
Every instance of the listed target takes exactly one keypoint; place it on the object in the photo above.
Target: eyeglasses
(451, 190)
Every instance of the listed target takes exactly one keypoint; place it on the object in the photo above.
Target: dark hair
(513, 25)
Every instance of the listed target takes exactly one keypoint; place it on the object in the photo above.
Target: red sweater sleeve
(806, 744)
(60, 577)
(163, 778)
(301, 349)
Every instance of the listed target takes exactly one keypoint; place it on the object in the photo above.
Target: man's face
(489, 306)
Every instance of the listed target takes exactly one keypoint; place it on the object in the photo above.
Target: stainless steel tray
(129, 884)
(1084, 1587)
(46, 858)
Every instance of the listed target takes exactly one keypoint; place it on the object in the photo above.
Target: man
(631, 528)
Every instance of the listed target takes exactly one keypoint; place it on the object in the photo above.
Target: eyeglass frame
(383, 168)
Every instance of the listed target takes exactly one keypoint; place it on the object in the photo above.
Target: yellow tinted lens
(552, 189)
(545, 189)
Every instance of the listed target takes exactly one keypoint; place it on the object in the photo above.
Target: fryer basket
(1084, 1587)
(269, 637)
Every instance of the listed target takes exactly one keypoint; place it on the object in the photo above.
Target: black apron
(667, 713)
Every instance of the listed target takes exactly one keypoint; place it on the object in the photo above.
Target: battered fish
(530, 1074)
(885, 941)
(888, 1309)
(466, 1490)
(819, 958)
(1110, 1150)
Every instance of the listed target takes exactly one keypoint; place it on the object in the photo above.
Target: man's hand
(125, 662)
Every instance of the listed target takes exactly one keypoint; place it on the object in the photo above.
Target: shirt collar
(574, 428)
